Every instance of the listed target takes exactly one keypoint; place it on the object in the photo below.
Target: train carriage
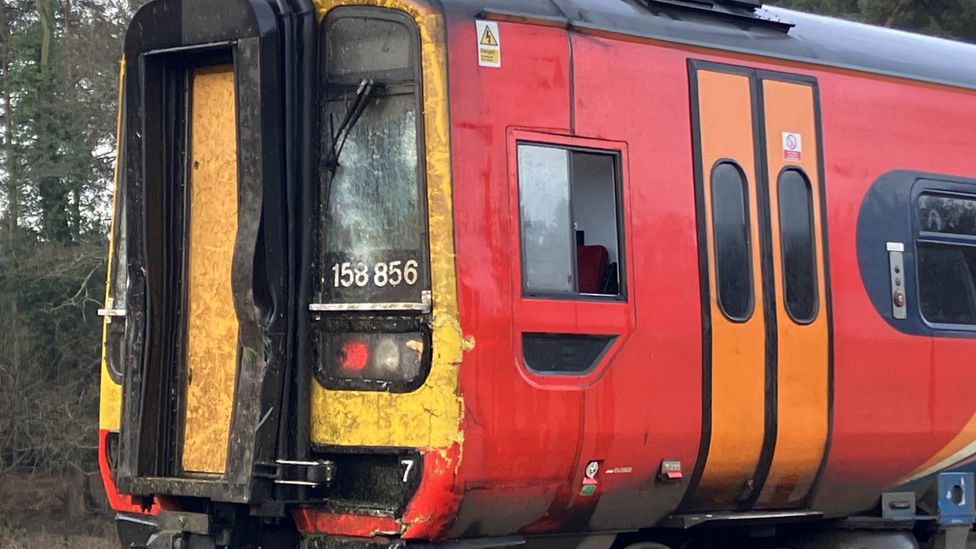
(563, 273)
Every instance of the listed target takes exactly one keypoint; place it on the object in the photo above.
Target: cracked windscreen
(372, 229)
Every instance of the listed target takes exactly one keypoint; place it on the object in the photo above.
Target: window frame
(574, 146)
(815, 312)
(920, 238)
(749, 244)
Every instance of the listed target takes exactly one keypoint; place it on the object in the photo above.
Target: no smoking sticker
(792, 147)
(489, 44)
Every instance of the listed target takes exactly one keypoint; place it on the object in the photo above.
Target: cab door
(573, 307)
(764, 307)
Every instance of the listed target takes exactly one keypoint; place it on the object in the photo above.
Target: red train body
(776, 330)
(899, 400)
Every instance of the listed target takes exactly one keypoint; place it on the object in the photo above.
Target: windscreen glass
(372, 232)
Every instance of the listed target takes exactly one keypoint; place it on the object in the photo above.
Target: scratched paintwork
(110, 392)
(212, 325)
(524, 442)
(428, 418)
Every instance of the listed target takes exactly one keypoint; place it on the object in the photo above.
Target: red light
(355, 356)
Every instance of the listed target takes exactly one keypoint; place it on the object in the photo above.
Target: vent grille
(738, 10)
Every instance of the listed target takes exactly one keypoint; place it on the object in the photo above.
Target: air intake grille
(739, 10)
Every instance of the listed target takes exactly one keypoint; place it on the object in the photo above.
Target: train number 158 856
(392, 273)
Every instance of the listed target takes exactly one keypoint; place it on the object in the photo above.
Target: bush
(50, 348)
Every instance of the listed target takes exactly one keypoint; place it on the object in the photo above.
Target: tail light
(378, 361)
(354, 356)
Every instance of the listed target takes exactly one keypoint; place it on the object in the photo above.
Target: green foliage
(49, 355)
(58, 84)
(47, 148)
(948, 18)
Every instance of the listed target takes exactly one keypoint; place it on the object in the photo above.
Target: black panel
(895, 210)
(563, 353)
(410, 335)
(368, 479)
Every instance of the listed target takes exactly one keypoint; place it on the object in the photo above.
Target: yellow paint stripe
(802, 364)
(110, 392)
(430, 416)
(212, 327)
(738, 370)
(961, 448)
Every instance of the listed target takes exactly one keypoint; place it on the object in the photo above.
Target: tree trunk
(69, 40)
(13, 189)
(51, 189)
(47, 33)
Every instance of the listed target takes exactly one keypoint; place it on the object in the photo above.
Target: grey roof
(812, 38)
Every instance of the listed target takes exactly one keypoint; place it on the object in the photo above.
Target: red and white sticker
(792, 147)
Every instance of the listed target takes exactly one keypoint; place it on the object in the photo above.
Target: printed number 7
(406, 472)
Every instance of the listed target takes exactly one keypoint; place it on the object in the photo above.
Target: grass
(53, 512)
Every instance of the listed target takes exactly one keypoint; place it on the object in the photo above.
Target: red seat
(591, 262)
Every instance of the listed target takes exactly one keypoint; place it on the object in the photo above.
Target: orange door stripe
(738, 371)
(803, 362)
(960, 450)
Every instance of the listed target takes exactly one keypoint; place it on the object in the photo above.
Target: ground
(65, 512)
(54, 512)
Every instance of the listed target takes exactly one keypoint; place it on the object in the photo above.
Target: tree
(948, 18)
(58, 83)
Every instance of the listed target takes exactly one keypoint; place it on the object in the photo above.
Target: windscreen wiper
(339, 136)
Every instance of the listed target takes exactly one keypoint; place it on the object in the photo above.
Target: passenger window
(570, 221)
(797, 243)
(947, 258)
(730, 216)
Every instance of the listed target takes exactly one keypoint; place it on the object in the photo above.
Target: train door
(574, 311)
(765, 307)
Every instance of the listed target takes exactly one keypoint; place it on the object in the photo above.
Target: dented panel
(527, 442)
(110, 392)
(428, 418)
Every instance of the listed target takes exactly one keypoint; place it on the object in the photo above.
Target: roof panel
(813, 38)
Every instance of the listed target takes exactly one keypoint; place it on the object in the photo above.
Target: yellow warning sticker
(489, 44)
(488, 37)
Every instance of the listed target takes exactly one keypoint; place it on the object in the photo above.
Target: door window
(569, 206)
(797, 241)
(730, 215)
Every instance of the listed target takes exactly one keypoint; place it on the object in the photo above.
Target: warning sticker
(792, 147)
(489, 44)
